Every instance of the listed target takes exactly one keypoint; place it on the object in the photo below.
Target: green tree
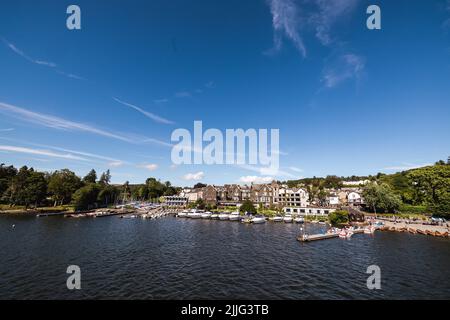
(199, 185)
(36, 188)
(28, 187)
(380, 197)
(332, 182)
(62, 184)
(105, 178)
(108, 194)
(432, 187)
(86, 197)
(247, 206)
(7, 173)
(338, 218)
(200, 204)
(91, 177)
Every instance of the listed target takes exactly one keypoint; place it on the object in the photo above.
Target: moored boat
(214, 216)
(258, 220)
(206, 215)
(299, 220)
(182, 214)
(194, 214)
(276, 219)
(234, 216)
(369, 230)
(224, 216)
(287, 219)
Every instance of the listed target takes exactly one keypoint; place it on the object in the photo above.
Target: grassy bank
(6, 209)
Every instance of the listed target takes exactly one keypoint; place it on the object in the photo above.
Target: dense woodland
(30, 188)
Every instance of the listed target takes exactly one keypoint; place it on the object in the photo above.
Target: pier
(323, 236)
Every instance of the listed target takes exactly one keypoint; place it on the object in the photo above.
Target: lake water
(173, 258)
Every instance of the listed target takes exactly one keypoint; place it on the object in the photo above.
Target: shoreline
(416, 228)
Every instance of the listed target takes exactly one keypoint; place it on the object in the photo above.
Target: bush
(337, 218)
(247, 206)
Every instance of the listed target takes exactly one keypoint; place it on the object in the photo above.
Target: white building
(175, 201)
(308, 211)
(354, 198)
(292, 197)
(333, 200)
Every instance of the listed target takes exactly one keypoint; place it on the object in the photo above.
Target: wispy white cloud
(27, 57)
(63, 124)
(150, 166)
(149, 115)
(210, 84)
(183, 94)
(87, 156)
(49, 64)
(194, 176)
(267, 171)
(286, 22)
(328, 13)
(160, 101)
(7, 129)
(255, 179)
(47, 153)
(344, 67)
(70, 75)
(295, 169)
(115, 164)
(292, 19)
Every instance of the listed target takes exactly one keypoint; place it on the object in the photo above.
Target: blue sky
(347, 100)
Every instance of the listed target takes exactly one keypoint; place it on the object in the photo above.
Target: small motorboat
(214, 216)
(276, 219)
(299, 220)
(194, 214)
(234, 216)
(129, 216)
(206, 215)
(287, 219)
(224, 216)
(369, 230)
(343, 234)
(182, 214)
(246, 220)
(258, 220)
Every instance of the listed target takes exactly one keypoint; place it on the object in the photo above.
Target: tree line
(30, 188)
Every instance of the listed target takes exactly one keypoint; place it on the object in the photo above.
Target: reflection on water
(174, 258)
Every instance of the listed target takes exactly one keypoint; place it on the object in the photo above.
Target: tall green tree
(7, 173)
(108, 195)
(91, 177)
(105, 178)
(27, 187)
(381, 198)
(86, 197)
(247, 206)
(432, 187)
(62, 184)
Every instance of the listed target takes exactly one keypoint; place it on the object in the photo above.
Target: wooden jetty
(323, 236)
(50, 214)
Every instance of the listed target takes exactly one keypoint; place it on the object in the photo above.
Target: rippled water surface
(174, 258)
